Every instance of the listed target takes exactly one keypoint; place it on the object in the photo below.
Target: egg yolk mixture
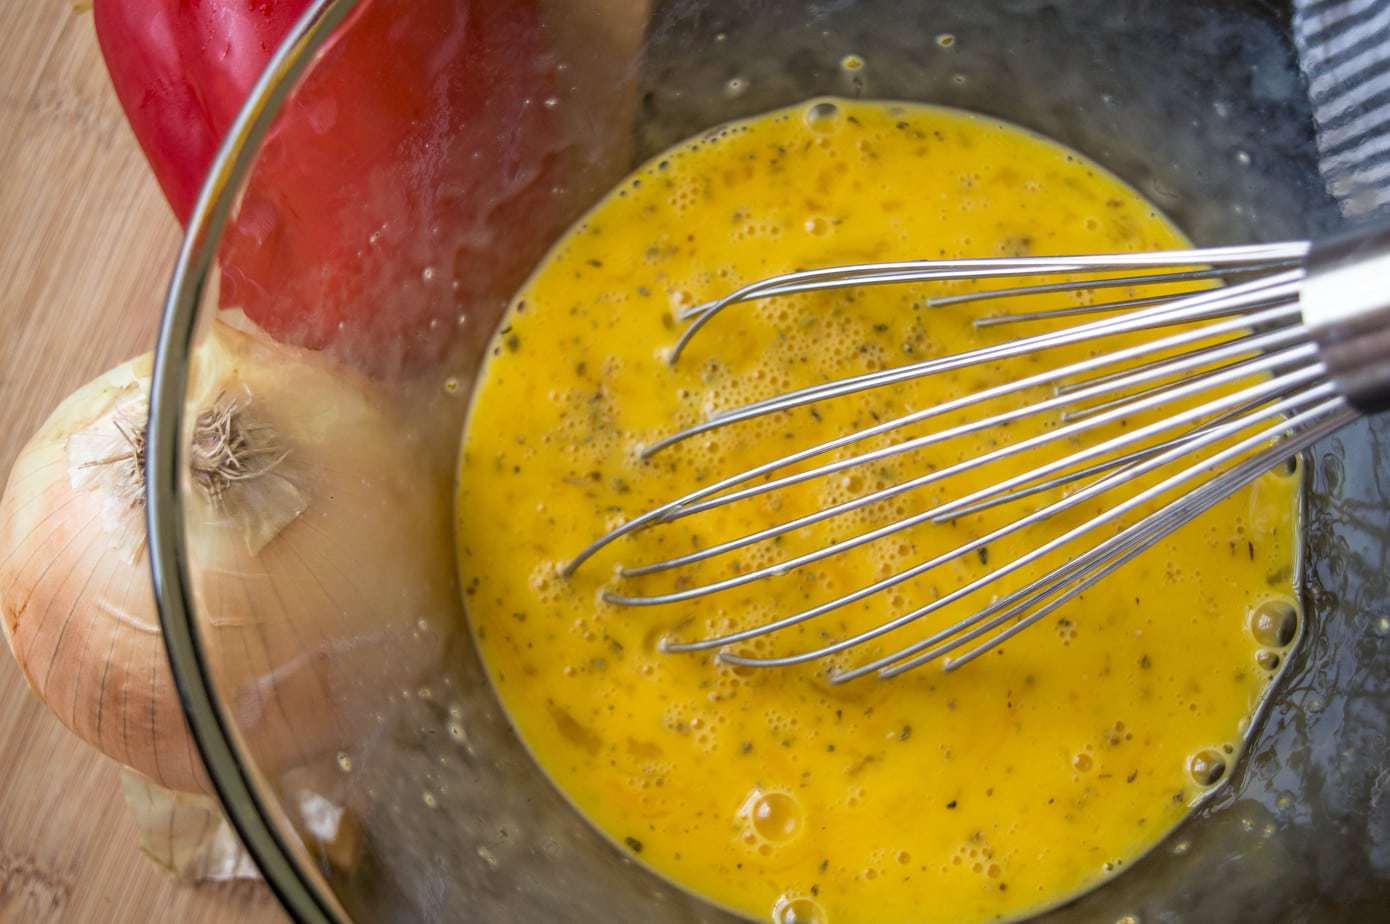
(1031, 774)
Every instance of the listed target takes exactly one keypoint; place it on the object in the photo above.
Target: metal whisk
(1283, 345)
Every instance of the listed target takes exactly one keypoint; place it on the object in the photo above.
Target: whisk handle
(1346, 305)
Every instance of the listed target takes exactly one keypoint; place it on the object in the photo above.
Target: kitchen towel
(1344, 49)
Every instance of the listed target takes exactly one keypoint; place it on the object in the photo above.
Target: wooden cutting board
(86, 245)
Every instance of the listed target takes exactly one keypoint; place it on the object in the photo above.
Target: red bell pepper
(406, 182)
(182, 69)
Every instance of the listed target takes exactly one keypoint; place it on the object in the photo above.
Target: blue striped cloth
(1344, 47)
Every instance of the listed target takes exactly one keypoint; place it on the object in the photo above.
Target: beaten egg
(1031, 775)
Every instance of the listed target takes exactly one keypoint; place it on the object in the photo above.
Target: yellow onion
(318, 547)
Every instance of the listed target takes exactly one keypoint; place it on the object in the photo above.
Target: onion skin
(78, 613)
(318, 585)
(350, 602)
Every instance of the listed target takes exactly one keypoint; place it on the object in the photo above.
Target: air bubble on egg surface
(1274, 623)
(822, 117)
(1206, 767)
(776, 817)
(798, 910)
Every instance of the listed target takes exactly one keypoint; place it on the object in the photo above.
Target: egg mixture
(1032, 774)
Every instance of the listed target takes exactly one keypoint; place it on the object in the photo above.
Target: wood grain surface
(86, 245)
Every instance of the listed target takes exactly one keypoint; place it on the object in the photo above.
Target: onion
(319, 555)
(185, 833)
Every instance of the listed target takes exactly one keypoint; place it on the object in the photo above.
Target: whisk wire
(1182, 310)
(1153, 430)
(1107, 516)
(1121, 461)
(923, 567)
(976, 269)
(1183, 389)
(674, 509)
(690, 509)
(1085, 572)
(1107, 282)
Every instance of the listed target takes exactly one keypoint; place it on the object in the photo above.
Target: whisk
(1280, 346)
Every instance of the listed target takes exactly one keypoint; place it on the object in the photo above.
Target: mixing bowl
(361, 753)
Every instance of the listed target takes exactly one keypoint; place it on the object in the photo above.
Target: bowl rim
(302, 891)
